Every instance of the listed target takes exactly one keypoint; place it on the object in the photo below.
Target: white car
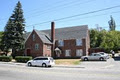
(41, 61)
(94, 56)
(104, 54)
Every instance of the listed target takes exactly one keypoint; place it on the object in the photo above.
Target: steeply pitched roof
(75, 32)
(43, 36)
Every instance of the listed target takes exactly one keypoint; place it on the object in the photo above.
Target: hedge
(23, 59)
(6, 58)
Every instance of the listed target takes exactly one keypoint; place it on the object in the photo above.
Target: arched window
(33, 37)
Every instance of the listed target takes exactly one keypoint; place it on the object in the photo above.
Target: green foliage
(14, 29)
(23, 59)
(1, 41)
(112, 24)
(6, 58)
(96, 37)
(109, 40)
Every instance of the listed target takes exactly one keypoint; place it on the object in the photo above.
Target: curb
(64, 66)
(14, 63)
(60, 66)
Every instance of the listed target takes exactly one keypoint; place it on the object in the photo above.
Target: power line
(58, 6)
(71, 3)
(91, 16)
(48, 5)
(78, 15)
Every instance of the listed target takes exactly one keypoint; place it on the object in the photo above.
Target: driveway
(109, 64)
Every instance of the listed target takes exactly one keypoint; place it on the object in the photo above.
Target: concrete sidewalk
(85, 64)
(60, 66)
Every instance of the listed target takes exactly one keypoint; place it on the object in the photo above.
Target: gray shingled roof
(44, 37)
(75, 32)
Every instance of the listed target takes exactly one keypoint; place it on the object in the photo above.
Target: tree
(14, 30)
(111, 41)
(1, 42)
(96, 37)
(112, 24)
(108, 40)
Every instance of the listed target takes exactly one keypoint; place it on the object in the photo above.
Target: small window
(60, 43)
(33, 37)
(78, 42)
(36, 46)
(37, 59)
(68, 53)
(44, 58)
(48, 47)
(97, 54)
(79, 52)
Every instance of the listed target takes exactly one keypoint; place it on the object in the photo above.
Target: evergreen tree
(112, 24)
(13, 34)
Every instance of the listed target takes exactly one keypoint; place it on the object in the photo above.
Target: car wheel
(85, 59)
(44, 65)
(29, 64)
(101, 59)
(49, 66)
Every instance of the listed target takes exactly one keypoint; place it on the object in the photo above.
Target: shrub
(23, 59)
(6, 58)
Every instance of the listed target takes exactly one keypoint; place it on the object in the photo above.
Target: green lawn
(67, 61)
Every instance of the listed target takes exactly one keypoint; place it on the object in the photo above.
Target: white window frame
(37, 46)
(79, 52)
(33, 37)
(48, 47)
(60, 43)
(78, 42)
(68, 53)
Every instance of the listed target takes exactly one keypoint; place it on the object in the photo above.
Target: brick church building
(68, 42)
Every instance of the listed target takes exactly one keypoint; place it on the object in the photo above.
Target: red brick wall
(71, 45)
(30, 44)
(88, 42)
(46, 51)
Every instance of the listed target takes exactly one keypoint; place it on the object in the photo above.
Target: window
(68, 53)
(48, 47)
(36, 46)
(41, 59)
(96, 54)
(79, 52)
(33, 37)
(60, 42)
(78, 42)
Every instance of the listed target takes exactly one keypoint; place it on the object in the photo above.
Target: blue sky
(36, 12)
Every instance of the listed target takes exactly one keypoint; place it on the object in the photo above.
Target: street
(22, 72)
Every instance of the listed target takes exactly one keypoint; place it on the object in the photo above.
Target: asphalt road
(18, 72)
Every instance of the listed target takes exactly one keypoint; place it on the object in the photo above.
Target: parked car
(41, 61)
(94, 56)
(104, 54)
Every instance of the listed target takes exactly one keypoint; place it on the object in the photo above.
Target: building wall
(71, 45)
(30, 44)
(46, 50)
(88, 42)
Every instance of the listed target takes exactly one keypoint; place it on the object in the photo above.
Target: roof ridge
(66, 27)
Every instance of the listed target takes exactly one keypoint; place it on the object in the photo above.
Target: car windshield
(102, 53)
(40, 59)
(51, 59)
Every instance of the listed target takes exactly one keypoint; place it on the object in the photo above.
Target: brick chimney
(52, 32)
(53, 38)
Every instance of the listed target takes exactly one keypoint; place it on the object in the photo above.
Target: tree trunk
(13, 53)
